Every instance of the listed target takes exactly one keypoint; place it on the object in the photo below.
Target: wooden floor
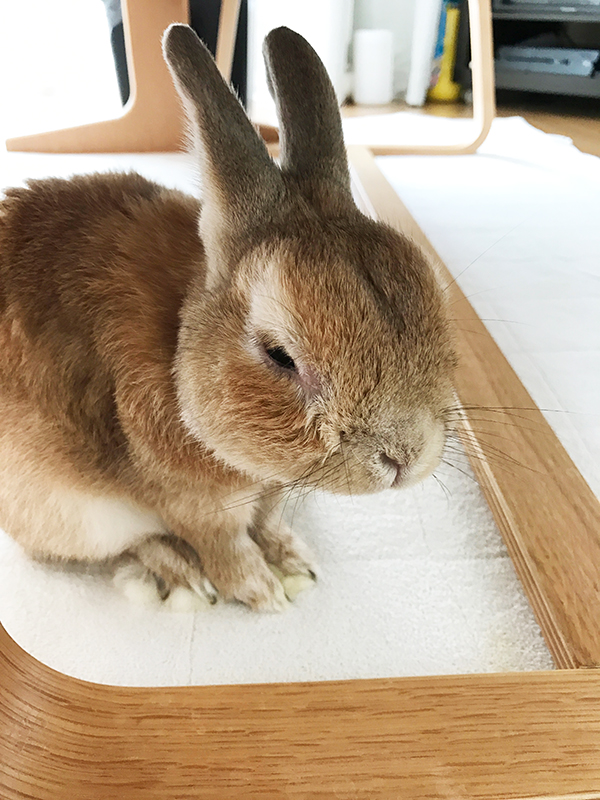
(577, 118)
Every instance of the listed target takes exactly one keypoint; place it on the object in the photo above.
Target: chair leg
(228, 25)
(228, 22)
(484, 91)
(152, 119)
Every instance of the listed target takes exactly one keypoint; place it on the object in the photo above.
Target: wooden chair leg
(484, 94)
(228, 23)
(152, 119)
(484, 91)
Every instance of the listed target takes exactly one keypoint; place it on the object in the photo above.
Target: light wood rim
(532, 735)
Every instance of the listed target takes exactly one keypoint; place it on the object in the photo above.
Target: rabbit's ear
(241, 183)
(311, 139)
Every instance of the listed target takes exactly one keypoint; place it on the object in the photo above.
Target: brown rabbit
(159, 389)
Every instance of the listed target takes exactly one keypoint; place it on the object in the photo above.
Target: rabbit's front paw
(237, 567)
(288, 557)
(294, 583)
(165, 569)
(262, 592)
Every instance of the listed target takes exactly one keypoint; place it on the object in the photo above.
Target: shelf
(547, 12)
(557, 15)
(581, 86)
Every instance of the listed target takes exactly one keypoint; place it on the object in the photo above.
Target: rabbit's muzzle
(368, 462)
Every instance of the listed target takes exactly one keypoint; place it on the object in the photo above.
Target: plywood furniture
(482, 70)
(152, 120)
(575, 118)
(487, 737)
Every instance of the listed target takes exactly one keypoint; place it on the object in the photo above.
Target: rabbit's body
(93, 454)
(160, 389)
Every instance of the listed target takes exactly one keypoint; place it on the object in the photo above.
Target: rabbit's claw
(165, 569)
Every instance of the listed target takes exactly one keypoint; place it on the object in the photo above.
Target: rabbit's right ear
(311, 137)
(242, 184)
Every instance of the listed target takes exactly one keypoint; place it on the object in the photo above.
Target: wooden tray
(521, 735)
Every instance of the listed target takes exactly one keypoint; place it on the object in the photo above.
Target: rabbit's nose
(397, 470)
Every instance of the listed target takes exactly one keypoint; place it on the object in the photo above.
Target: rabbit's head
(314, 349)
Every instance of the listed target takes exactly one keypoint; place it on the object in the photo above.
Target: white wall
(397, 16)
(326, 24)
(56, 65)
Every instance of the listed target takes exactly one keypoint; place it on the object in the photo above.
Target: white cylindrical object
(373, 67)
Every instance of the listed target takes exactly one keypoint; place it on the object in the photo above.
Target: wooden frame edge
(501, 737)
(521, 735)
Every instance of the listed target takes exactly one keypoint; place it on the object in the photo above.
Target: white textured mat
(411, 583)
(519, 223)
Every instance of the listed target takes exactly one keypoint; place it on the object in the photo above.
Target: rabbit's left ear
(311, 138)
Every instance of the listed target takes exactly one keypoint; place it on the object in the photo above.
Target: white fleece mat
(411, 583)
(519, 223)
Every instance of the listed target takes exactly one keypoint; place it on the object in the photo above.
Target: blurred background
(63, 61)
(58, 62)
(57, 65)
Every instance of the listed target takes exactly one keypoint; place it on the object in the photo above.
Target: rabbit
(171, 368)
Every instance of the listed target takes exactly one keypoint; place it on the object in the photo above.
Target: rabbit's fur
(160, 389)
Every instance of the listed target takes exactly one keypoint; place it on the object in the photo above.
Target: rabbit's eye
(281, 357)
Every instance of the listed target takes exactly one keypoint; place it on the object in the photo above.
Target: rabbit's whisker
(445, 489)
